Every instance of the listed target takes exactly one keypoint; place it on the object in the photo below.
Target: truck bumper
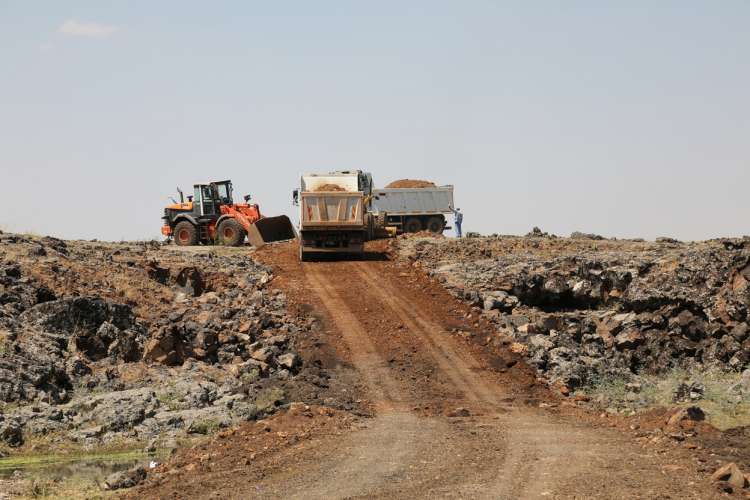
(332, 241)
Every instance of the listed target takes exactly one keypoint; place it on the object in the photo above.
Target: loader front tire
(231, 233)
(185, 234)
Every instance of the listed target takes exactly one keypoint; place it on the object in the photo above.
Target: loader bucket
(270, 229)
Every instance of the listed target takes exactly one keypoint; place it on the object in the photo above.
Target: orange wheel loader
(210, 216)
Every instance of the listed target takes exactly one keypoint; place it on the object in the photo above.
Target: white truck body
(410, 210)
(413, 201)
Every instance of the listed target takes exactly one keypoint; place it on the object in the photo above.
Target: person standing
(458, 218)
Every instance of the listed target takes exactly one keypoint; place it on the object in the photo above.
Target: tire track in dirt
(387, 458)
(461, 371)
(385, 392)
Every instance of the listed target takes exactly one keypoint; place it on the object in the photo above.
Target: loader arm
(238, 216)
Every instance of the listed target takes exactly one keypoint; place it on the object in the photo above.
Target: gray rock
(289, 360)
(11, 433)
(125, 479)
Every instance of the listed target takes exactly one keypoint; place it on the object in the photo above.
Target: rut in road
(502, 451)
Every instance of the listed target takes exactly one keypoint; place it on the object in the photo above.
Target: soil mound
(410, 183)
(329, 187)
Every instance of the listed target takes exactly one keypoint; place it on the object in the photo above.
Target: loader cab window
(225, 193)
(204, 201)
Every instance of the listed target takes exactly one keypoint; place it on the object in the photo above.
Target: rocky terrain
(584, 309)
(136, 344)
(144, 346)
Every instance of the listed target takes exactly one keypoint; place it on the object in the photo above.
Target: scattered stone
(686, 392)
(460, 412)
(618, 309)
(289, 360)
(690, 414)
(100, 342)
(577, 235)
(731, 475)
(125, 479)
(11, 433)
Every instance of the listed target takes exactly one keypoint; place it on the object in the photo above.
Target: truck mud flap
(271, 229)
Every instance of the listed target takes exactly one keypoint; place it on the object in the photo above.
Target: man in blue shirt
(458, 219)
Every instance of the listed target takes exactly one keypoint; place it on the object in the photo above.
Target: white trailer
(411, 210)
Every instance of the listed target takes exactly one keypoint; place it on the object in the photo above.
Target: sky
(626, 119)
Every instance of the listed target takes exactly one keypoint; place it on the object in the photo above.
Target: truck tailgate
(332, 209)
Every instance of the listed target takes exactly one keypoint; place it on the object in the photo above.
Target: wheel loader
(210, 216)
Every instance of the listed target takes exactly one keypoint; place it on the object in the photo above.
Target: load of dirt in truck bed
(410, 183)
(329, 187)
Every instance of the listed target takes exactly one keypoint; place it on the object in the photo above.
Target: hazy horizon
(622, 120)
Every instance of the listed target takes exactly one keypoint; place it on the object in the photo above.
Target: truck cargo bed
(413, 201)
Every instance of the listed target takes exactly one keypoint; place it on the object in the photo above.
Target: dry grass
(71, 488)
(724, 407)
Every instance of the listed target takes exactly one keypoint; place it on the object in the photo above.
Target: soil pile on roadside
(409, 184)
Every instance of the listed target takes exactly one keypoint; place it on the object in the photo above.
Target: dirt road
(451, 420)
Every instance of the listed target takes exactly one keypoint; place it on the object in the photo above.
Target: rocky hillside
(583, 309)
(103, 342)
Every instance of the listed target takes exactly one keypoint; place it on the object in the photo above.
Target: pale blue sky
(628, 119)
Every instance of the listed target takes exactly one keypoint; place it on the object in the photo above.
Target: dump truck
(333, 213)
(411, 210)
(210, 216)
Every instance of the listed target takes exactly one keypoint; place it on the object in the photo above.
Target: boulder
(690, 414)
(190, 281)
(289, 360)
(125, 479)
(167, 346)
(732, 475)
(629, 339)
(11, 433)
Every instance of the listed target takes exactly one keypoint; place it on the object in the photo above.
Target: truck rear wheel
(413, 225)
(185, 234)
(435, 225)
(231, 233)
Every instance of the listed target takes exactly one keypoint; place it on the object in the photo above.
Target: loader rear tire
(231, 233)
(413, 225)
(435, 225)
(185, 234)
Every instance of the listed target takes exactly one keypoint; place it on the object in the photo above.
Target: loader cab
(224, 192)
(208, 198)
(205, 201)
